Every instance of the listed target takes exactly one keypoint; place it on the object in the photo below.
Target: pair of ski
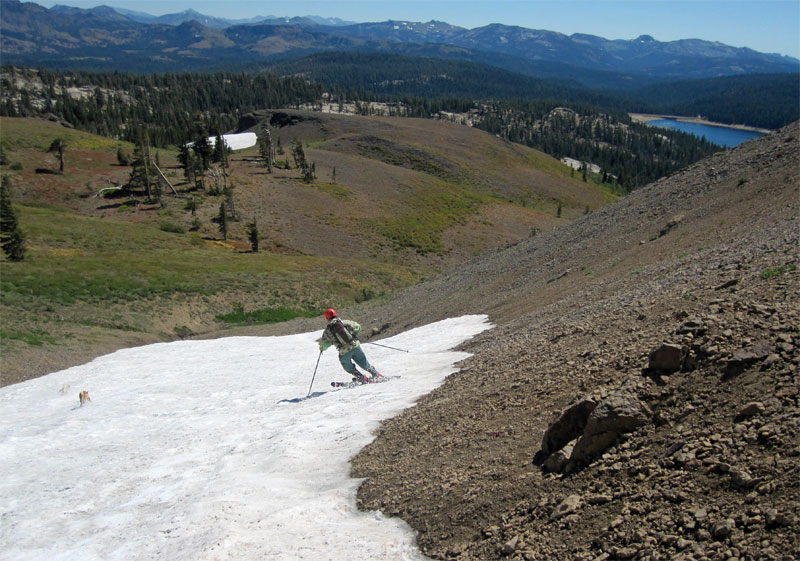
(363, 380)
(340, 386)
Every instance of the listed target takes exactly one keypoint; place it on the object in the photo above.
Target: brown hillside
(408, 198)
(384, 167)
(388, 169)
(699, 459)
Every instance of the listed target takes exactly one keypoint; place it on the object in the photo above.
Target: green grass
(30, 133)
(336, 190)
(34, 338)
(73, 259)
(778, 271)
(411, 157)
(268, 315)
(429, 211)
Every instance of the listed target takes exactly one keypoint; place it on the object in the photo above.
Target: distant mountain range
(104, 38)
(219, 23)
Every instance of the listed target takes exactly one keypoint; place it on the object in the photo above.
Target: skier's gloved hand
(323, 346)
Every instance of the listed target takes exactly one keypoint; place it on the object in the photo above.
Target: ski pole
(315, 374)
(386, 346)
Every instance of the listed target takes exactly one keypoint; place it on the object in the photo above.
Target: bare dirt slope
(697, 459)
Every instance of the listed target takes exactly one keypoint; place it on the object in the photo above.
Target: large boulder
(615, 415)
(668, 357)
(566, 428)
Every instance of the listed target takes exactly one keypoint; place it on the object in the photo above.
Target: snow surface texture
(187, 452)
(238, 141)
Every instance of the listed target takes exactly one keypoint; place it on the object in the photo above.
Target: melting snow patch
(185, 451)
(236, 141)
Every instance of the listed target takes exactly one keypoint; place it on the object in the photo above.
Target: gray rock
(741, 478)
(751, 409)
(693, 326)
(668, 357)
(599, 499)
(723, 528)
(673, 222)
(510, 546)
(615, 415)
(557, 461)
(775, 518)
(626, 552)
(566, 507)
(742, 358)
(569, 426)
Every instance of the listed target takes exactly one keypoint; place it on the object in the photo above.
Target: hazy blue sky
(771, 26)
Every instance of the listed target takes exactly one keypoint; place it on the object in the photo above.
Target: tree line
(173, 109)
(630, 154)
(115, 105)
(761, 100)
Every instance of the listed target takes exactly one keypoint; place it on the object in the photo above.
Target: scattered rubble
(651, 413)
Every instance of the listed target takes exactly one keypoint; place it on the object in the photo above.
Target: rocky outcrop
(619, 413)
(596, 423)
(568, 426)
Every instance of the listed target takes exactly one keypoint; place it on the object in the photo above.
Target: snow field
(238, 141)
(187, 453)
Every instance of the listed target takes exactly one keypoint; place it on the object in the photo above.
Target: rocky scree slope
(638, 398)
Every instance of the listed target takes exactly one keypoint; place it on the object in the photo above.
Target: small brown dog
(84, 397)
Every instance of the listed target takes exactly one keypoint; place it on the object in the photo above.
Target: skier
(344, 335)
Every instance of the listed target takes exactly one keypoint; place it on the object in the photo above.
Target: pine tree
(307, 170)
(220, 152)
(202, 147)
(191, 205)
(252, 234)
(58, 146)
(11, 238)
(187, 158)
(222, 220)
(298, 154)
(123, 157)
(228, 192)
(141, 172)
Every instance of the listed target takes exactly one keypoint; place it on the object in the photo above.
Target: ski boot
(360, 378)
(375, 374)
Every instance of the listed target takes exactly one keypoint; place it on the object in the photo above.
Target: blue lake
(723, 136)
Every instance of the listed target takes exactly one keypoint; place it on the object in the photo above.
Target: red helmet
(330, 313)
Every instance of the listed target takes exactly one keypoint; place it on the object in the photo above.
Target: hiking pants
(355, 355)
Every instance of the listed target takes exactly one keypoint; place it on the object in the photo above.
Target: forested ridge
(389, 76)
(118, 105)
(630, 154)
(760, 100)
(110, 104)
